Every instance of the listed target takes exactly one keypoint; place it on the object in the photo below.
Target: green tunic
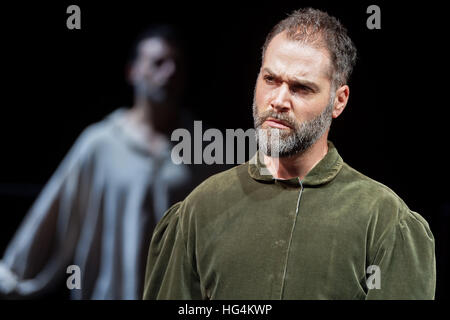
(243, 235)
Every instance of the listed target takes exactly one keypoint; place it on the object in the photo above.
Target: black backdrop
(57, 81)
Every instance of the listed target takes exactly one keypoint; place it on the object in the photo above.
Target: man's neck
(142, 113)
(142, 123)
(298, 165)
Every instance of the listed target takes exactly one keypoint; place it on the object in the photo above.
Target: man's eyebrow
(268, 71)
(296, 81)
(304, 82)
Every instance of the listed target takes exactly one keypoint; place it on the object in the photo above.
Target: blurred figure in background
(99, 208)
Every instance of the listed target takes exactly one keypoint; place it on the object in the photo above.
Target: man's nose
(281, 101)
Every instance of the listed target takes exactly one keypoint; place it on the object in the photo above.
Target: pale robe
(97, 212)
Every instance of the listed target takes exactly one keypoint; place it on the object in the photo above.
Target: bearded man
(313, 228)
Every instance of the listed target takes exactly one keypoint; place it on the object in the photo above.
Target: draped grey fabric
(98, 212)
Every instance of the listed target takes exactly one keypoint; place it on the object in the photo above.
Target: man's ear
(340, 100)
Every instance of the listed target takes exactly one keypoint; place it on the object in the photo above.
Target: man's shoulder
(385, 211)
(96, 133)
(370, 192)
(221, 185)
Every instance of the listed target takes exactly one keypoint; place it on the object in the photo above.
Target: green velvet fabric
(243, 235)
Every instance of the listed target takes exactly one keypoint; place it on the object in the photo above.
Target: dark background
(57, 81)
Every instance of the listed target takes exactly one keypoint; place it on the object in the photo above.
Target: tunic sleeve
(406, 261)
(170, 273)
(44, 244)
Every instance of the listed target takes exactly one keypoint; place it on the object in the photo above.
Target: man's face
(292, 95)
(154, 72)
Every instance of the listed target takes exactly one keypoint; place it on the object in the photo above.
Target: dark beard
(288, 142)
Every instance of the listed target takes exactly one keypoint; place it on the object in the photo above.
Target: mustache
(288, 120)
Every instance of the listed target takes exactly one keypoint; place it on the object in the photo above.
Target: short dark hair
(319, 29)
(163, 31)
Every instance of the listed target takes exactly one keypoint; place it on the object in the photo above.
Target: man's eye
(159, 62)
(269, 79)
(300, 88)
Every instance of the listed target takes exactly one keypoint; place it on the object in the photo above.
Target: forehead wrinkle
(293, 71)
(291, 58)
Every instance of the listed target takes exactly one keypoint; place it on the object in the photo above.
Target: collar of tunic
(323, 172)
